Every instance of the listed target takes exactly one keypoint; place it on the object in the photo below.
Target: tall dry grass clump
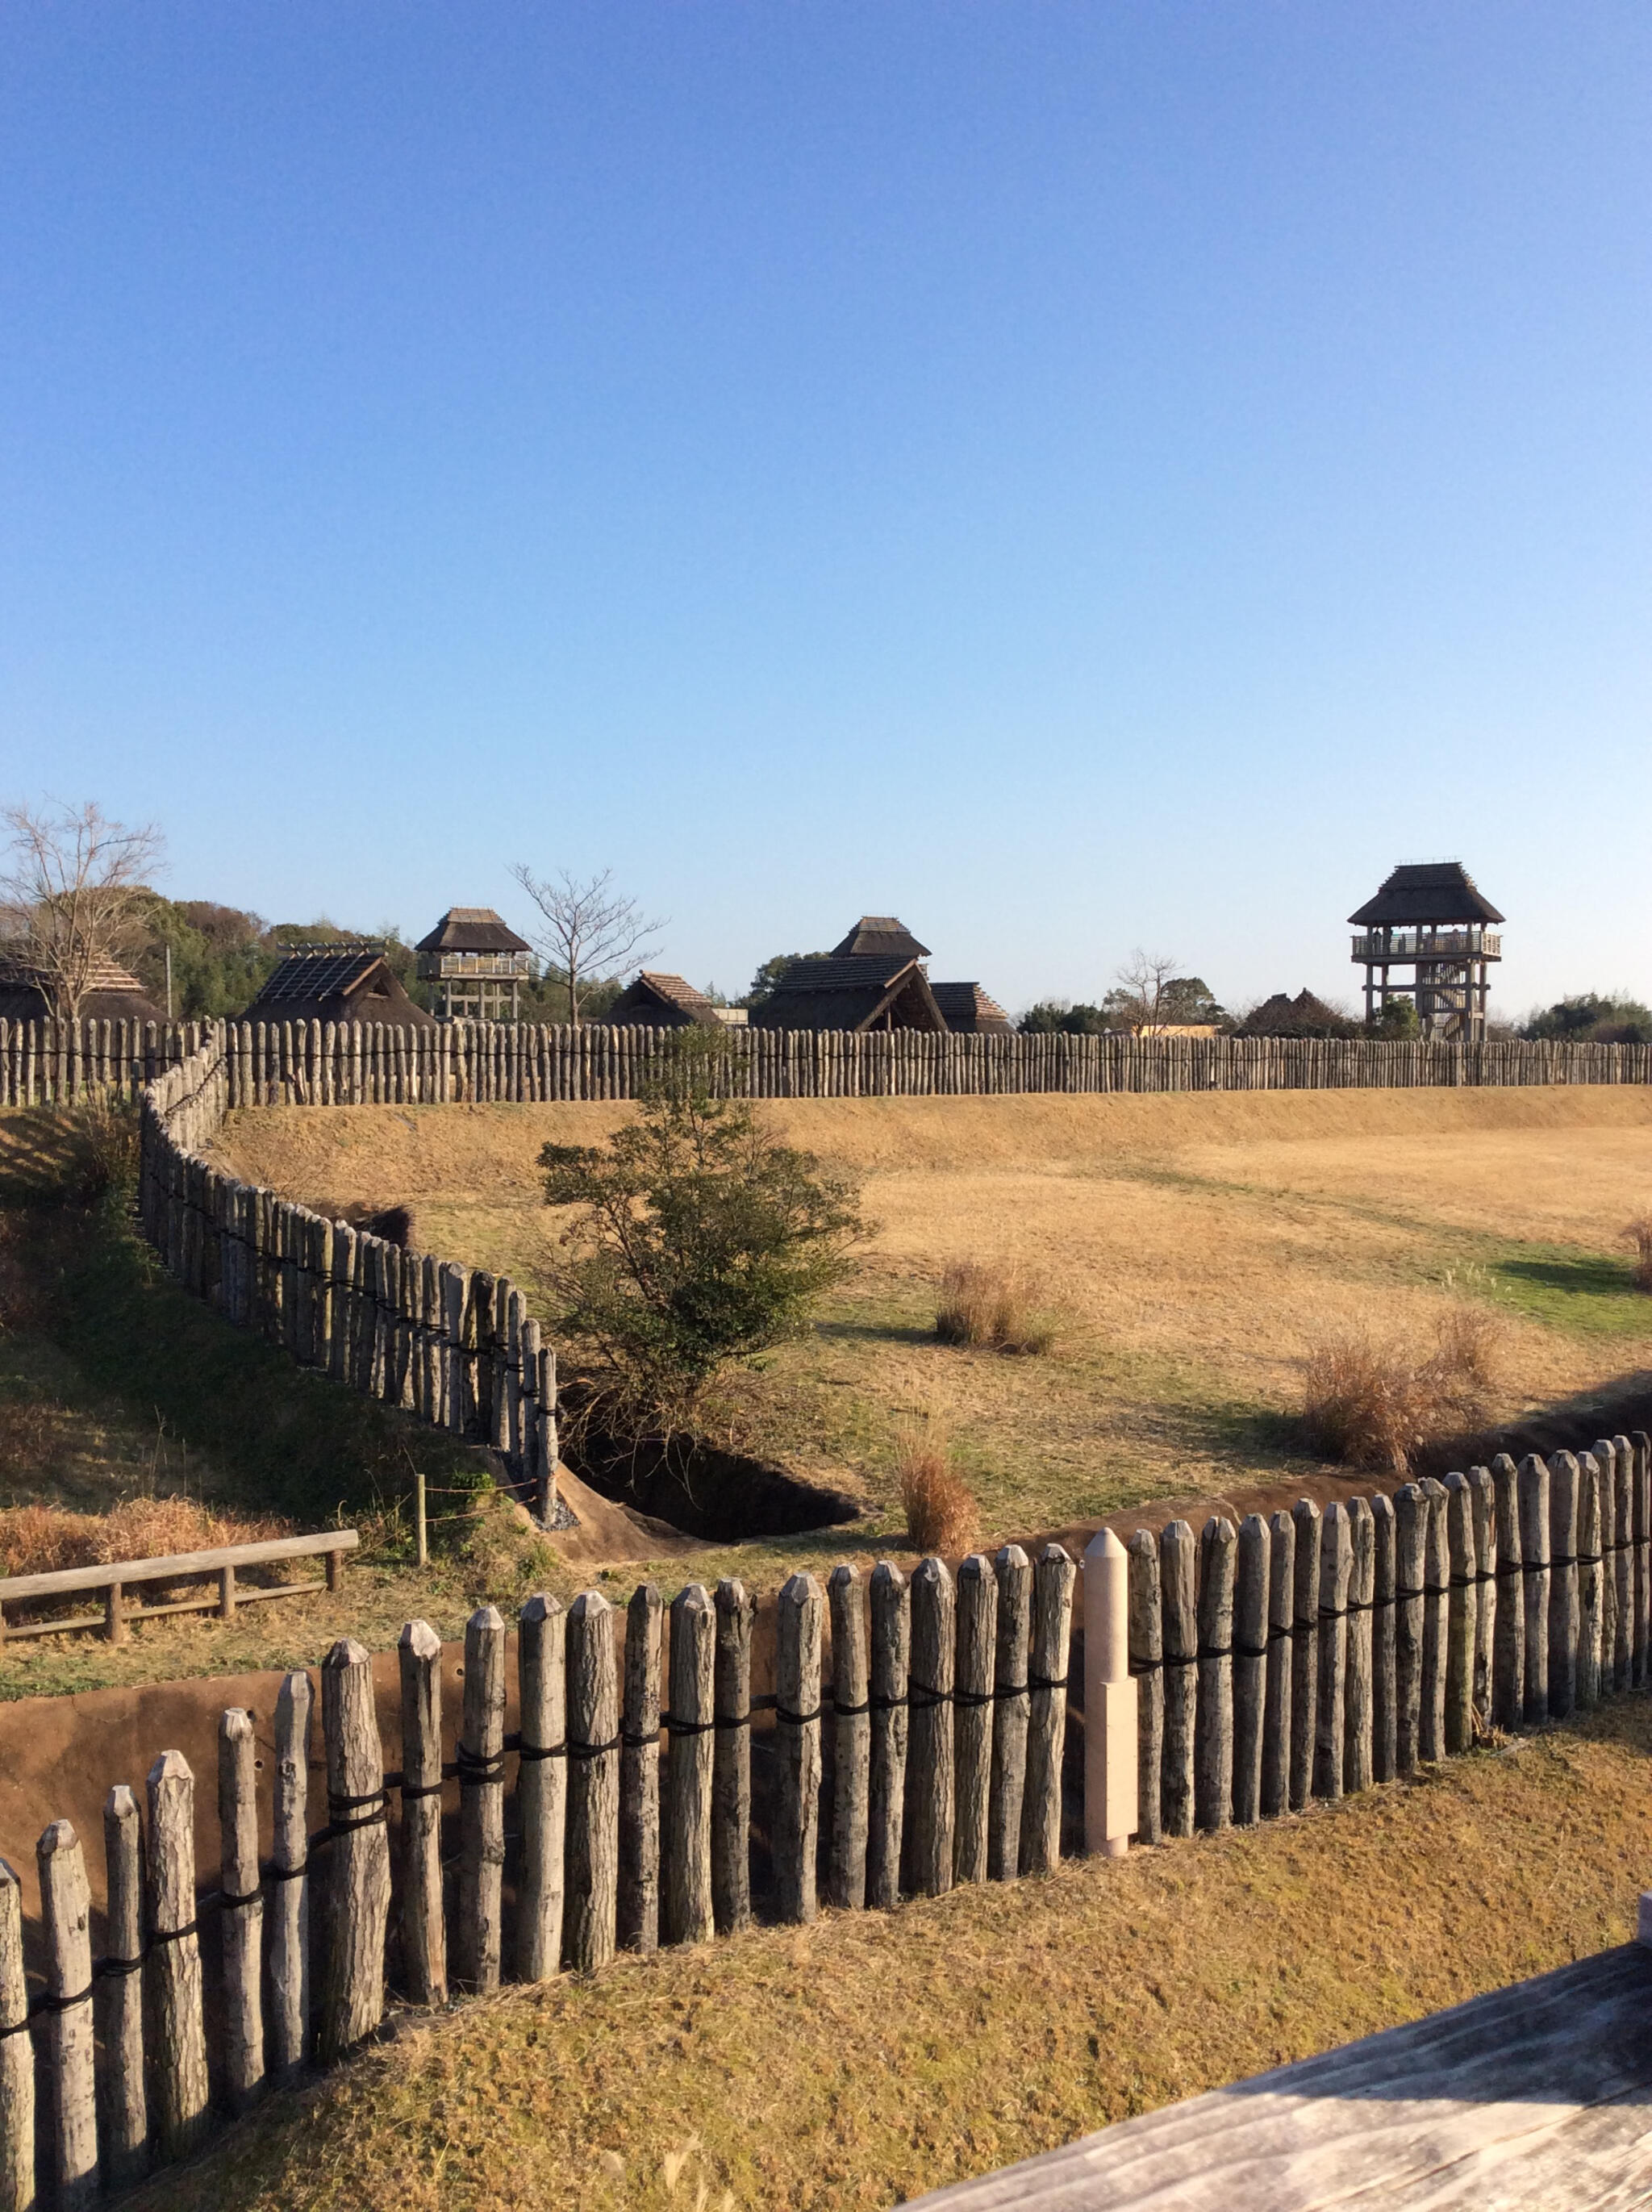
(40, 1539)
(1639, 1234)
(1375, 1404)
(993, 1309)
(942, 1516)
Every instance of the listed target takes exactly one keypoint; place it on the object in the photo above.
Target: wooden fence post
(66, 1913)
(1509, 1631)
(1213, 1721)
(1383, 1686)
(1009, 1713)
(846, 1869)
(972, 1715)
(797, 1729)
(358, 1875)
(1534, 1561)
(639, 1878)
(1358, 1746)
(1437, 1580)
(1563, 1589)
(125, 2102)
(1250, 1650)
(1484, 1514)
(179, 2055)
(687, 1894)
(1176, 1556)
(1606, 1457)
(240, 1908)
(1336, 1567)
(1304, 1651)
(929, 1743)
(593, 1730)
(1110, 1750)
(1462, 1610)
(891, 1656)
(1275, 1786)
(541, 1784)
(1053, 1576)
(1147, 1665)
(16, 2056)
(482, 1800)
(1591, 1587)
(731, 1779)
(1639, 1455)
(424, 1932)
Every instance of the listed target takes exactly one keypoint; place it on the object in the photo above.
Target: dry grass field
(872, 2055)
(1194, 1247)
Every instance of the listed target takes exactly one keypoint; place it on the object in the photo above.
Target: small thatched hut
(655, 1001)
(26, 995)
(1304, 1016)
(336, 983)
(969, 1012)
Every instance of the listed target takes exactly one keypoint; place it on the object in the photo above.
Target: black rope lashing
(672, 1726)
(377, 1800)
(922, 1698)
(733, 1720)
(474, 1768)
(15, 2027)
(287, 1874)
(1048, 1681)
(796, 1720)
(849, 1712)
(49, 2004)
(228, 1902)
(531, 1754)
(972, 1700)
(639, 1739)
(159, 1935)
(413, 1789)
(114, 1969)
(592, 1750)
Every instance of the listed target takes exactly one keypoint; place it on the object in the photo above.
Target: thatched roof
(471, 929)
(1429, 892)
(652, 1000)
(115, 995)
(969, 1012)
(1304, 1016)
(335, 983)
(880, 937)
(850, 992)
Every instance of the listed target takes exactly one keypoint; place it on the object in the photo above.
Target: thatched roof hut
(856, 992)
(26, 995)
(1304, 1016)
(652, 1000)
(336, 983)
(880, 937)
(969, 1012)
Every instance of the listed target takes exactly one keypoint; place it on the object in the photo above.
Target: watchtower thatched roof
(1425, 892)
(880, 937)
(652, 1000)
(850, 992)
(969, 1012)
(472, 929)
(335, 983)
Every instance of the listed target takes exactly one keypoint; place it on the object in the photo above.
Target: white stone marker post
(1110, 1806)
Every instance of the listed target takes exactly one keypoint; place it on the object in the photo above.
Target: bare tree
(590, 928)
(1138, 1001)
(74, 881)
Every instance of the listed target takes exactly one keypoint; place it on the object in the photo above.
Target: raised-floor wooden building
(476, 963)
(1424, 937)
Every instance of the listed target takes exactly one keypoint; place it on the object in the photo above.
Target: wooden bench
(116, 1577)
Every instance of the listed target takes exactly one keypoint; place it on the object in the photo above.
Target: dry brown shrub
(1372, 1404)
(1639, 1234)
(40, 1539)
(942, 1516)
(993, 1309)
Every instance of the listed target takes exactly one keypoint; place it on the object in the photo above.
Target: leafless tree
(74, 882)
(1138, 1000)
(591, 929)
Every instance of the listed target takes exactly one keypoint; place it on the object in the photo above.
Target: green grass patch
(1581, 1293)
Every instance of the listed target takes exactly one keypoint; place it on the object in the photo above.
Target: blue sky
(1074, 476)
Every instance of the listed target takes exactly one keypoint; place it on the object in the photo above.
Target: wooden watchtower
(476, 963)
(1428, 923)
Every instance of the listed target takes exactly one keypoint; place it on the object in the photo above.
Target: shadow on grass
(1587, 1292)
(876, 1331)
(42, 1159)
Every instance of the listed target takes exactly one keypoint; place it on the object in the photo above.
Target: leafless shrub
(993, 1309)
(1377, 1404)
(941, 1512)
(1639, 1234)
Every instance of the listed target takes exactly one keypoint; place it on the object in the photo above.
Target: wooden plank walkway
(1533, 2099)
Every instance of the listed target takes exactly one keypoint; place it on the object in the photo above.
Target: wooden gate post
(1110, 1756)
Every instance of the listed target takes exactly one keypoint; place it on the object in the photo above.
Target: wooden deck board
(1535, 2096)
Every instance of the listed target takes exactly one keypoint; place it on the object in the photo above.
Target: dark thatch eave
(851, 994)
(1430, 891)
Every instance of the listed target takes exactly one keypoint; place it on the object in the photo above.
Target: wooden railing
(115, 1577)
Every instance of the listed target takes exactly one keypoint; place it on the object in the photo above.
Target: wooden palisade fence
(325, 1064)
(913, 1738)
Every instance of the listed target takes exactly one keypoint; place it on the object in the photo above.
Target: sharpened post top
(420, 1638)
(541, 1606)
(347, 1652)
(57, 1836)
(170, 1766)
